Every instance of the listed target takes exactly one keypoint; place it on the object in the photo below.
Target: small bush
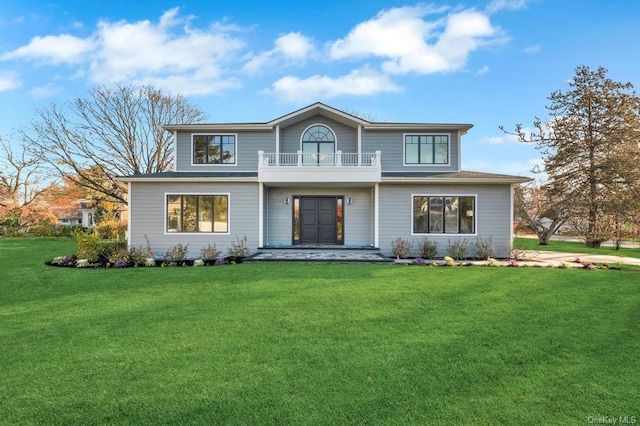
(239, 248)
(176, 253)
(209, 252)
(458, 249)
(139, 255)
(400, 248)
(89, 246)
(428, 248)
(111, 229)
(484, 248)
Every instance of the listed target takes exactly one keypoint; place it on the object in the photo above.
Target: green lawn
(313, 343)
(574, 247)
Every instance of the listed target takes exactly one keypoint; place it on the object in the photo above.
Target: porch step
(317, 254)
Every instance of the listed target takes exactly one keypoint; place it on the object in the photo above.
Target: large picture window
(198, 213)
(426, 149)
(444, 214)
(214, 149)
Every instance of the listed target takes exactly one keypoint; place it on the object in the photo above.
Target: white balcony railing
(337, 159)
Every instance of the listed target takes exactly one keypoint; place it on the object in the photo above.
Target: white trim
(335, 137)
(443, 234)
(235, 154)
(278, 140)
(376, 215)
(260, 214)
(404, 149)
(129, 198)
(460, 133)
(205, 234)
(511, 216)
(175, 157)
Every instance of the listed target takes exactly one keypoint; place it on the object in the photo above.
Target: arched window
(318, 145)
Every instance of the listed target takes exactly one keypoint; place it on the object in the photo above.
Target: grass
(314, 344)
(574, 247)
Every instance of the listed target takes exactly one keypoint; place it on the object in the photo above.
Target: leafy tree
(590, 149)
(22, 184)
(114, 132)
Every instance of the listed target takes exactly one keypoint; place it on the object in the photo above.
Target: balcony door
(318, 146)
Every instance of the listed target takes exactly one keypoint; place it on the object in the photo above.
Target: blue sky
(485, 62)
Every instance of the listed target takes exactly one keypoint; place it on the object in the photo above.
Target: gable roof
(312, 110)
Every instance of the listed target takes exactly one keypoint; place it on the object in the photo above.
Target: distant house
(82, 215)
(319, 177)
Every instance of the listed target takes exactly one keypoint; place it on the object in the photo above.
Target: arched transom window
(318, 145)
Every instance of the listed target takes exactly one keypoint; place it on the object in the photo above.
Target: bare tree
(535, 207)
(114, 132)
(590, 145)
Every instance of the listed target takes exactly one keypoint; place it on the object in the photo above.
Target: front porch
(333, 254)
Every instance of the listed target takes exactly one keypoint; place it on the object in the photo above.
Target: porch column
(376, 215)
(277, 145)
(260, 214)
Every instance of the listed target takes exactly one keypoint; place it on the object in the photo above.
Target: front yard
(313, 344)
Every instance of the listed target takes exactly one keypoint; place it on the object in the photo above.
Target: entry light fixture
(349, 200)
(287, 200)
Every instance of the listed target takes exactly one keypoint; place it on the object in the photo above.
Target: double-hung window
(444, 214)
(426, 149)
(197, 213)
(214, 149)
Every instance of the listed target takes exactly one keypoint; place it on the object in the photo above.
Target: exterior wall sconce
(287, 200)
(349, 200)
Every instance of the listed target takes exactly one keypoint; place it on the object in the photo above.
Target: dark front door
(318, 220)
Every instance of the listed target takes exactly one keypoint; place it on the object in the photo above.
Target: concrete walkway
(530, 258)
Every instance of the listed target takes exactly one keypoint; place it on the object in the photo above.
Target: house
(318, 177)
(82, 215)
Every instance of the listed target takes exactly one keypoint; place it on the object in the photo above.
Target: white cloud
(498, 5)
(411, 44)
(291, 48)
(532, 49)
(45, 91)
(168, 53)
(53, 50)
(364, 81)
(8, 81)
(506, 138)
(485, 69)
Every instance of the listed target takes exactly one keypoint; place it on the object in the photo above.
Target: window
(214, 149)
(318, 146)
(426, 149)
(443, 214)
(198, 213)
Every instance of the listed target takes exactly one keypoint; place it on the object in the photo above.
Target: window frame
(443, 233)
(419, 164)
(193, 149)
(196, 194)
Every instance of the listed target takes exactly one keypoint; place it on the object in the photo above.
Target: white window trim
(202, 234)
(335, 137)
(404, 149)
(234, 164)
(444, 235)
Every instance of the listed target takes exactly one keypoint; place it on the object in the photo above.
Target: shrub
(176, 253)
(139, 255)
(111, 229)
(239, 248)
(428, 248)
(45, 228)
(209, 252)
(458, 249)
(89, 246)
(400, 248)
(484, 248)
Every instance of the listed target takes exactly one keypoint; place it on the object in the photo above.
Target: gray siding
(247, 146)
(346, 137)
(492, 215)
(147, 211)
(391, 144)
(358, 217)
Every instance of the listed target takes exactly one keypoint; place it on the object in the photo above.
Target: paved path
(551, 257)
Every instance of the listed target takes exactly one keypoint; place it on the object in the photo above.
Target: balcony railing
(337, 159)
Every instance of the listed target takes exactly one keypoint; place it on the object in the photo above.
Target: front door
(319, 221)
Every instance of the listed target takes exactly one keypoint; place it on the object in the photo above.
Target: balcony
(319, 167)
